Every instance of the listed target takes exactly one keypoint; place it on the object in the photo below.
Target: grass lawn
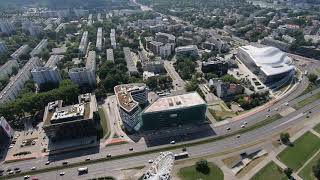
(308, 100)
(310, 88)
(306, 173)
(304, 148)
(317, 128)
(270, 171)
(104, 123)
(221, 115)
(190, 173)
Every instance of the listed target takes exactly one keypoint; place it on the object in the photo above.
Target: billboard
(6, 127)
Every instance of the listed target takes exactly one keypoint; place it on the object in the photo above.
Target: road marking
(292, 119)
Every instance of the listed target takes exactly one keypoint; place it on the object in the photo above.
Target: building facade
(83, 43)
(130, 97)
(39, 48)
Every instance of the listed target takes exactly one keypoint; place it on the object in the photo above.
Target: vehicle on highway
(267, 115)
(287, 104)
(150, 161)
(82, 170)
(62, 173)
(181, 155)
(172, 142)
(238, 136)
(243, 126)
(64, 162)
(109, 155)
(26, 177)
(228, 129)
(16, 168)
(9, 169)
(33, 168)
(35, 178)
(245, 122)
(87, 159)
(47, 163)
(11, 172)
(184, 149)
(131, 149)
(18, 171)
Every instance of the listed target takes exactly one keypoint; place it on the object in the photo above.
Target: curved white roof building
(271, 64)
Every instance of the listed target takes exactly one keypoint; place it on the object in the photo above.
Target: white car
(62, 173)
(287, 104)
(26, 177)
(172, 142)
(48, 162)
(243, 126)
(150, 161)
(33, 168)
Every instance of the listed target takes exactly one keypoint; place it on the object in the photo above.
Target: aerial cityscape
(160, 89)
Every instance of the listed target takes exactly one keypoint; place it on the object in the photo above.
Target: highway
(216, 147)
(199, 150)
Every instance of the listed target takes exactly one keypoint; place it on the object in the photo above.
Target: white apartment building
(48, 73)
(12, 90)
(6, 69)
(39, 48)
(83, 43)
(113, 39)
(99, 39)
(6, 27)
(85, 75)
(110, 56)
(22, 50)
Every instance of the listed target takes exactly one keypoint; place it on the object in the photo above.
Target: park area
(303, 148)
(306, 173)
(272, 171)
(212, 172)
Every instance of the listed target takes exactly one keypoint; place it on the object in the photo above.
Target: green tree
(312, 77)
(285, 138)
(316, 169)
(288, 172)
(202, 166)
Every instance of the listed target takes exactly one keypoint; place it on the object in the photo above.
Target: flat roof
(123, 94)
(175, 102)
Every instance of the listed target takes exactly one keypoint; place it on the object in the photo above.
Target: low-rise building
(85, 76)
(172, 111)
(227, 91)
(129, 98)
(71, 122)
(165, 38)
(191, 50)
(216, 66)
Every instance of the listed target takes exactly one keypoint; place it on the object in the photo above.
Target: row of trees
(30, 103)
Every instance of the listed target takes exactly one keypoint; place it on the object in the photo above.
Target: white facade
(99, 39)
(132, 69)
(12, 90)
(191, 49)
(110, 56)
(39, 48)
(6, 27)
(6, 69)
(113, 39)
(166, 50)
(22, 50)
(83, 43)
(42, 75)
(272, 64)
(85, 75)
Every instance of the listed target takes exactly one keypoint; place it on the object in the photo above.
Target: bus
(181, 155)
(82, 170)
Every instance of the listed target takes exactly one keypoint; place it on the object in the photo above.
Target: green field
(306, 173)
(317, 128)
(190, 173)
(104, 123)
(304, 148)
(270, 171)
(308, 100)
